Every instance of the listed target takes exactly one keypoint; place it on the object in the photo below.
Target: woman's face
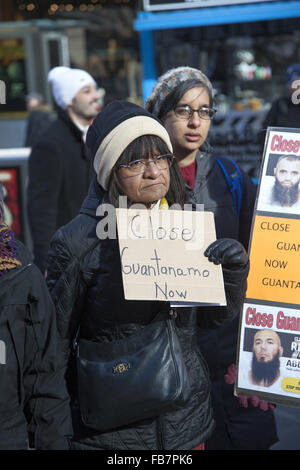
(188, 135)
(147, 187)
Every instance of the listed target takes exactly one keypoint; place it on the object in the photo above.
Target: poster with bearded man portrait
(265, 350)
(280, 182)
(269, 355)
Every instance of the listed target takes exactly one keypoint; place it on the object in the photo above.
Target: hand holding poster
(162, 256)
(269, 341)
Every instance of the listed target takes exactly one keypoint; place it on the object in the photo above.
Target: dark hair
(173, 98)
(145, 147)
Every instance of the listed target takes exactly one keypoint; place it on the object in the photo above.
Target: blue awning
(266, 11)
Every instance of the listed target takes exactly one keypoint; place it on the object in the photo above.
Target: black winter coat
(236, 427)
(283, 113)
(60, 173)
(104, 315)
(34, 403)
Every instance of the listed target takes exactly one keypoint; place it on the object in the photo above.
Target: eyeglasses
(138, 166)
(186, 112)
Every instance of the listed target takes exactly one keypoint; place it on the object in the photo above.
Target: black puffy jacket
(34, 403)
(105, 315)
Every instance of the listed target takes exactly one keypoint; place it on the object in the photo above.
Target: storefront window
(115, 66)
(12, 73)
(246, 63)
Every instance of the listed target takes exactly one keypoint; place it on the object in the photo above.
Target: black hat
(115, 127)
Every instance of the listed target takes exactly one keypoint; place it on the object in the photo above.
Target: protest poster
(268, 362)
(162, 257)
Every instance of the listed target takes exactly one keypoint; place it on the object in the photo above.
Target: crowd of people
(64, 316)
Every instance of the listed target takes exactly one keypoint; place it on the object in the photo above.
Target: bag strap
(234, 180)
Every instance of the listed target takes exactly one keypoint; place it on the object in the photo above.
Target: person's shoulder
(75, 235)
(23, 253)
(56, 132)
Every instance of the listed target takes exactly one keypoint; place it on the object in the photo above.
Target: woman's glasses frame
(138, 166)
(185, 112)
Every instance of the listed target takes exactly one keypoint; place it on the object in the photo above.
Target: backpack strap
(234, 179)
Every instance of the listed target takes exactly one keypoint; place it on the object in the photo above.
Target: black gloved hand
(228, 252)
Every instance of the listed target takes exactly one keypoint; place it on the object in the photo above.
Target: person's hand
(230, 377)
(245, 401)
(228, 252)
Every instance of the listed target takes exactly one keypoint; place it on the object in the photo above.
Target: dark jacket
(236, 427)
(105, 315)
(37, 122)
(283, 113)
(34, 404)
(59, 177)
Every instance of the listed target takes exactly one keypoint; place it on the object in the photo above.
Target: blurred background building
(244, 46)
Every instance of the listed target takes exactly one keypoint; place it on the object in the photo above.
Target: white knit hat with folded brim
(67, 82)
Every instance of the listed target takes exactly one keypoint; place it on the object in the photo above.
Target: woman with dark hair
(147, 145)
(183, 99)
(34, 403)
(133, 158)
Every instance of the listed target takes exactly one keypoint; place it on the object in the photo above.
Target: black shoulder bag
(128, 380)
(135, 378)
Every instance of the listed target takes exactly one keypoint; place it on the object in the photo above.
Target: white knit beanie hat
(67, 82)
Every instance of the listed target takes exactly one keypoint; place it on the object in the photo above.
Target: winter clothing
(283, 113)
(169, 81)
(34, 404)
(233, 424)
(124, 123)
(8, 258)
(87, 290)
(236, 427)
(59, 177)
(105, 315)
(38, 122)
(66, 83)
(211, 189)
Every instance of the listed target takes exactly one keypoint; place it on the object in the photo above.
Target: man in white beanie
(59, 167)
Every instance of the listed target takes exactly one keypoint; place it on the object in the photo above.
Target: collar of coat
(63, 115)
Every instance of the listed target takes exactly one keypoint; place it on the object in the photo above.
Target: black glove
(228, 252)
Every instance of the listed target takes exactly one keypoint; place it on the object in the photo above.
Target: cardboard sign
(162, 256)
(269, 338)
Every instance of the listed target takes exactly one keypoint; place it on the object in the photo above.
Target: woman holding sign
(183, 100)
(141, 380)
